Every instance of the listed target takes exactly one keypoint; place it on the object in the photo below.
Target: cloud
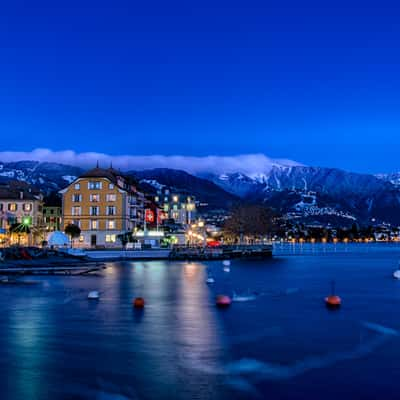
(249, 164)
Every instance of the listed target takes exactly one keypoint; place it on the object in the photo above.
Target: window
(175, 199)
(175, 207)
(111, 238)
(1, 206)
(94, 185)
(12, 207)
(111, 186)
(94, 224)
(76, 198)
(77, 186)
(94, 210)
(77, 222)
(51, 211)
(111, 224)
(81, 238)
(76, 210)
(111, 210)
(156, 198)
(27, 207)
(95, 197)
(111, 197)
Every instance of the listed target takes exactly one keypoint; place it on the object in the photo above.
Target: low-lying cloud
(249, 164)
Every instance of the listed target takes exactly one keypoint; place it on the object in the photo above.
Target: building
(179, 206)
(21, 214)
(52, 216)
(52, 212)
(104, 204)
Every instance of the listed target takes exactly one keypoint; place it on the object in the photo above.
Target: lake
(55, 344)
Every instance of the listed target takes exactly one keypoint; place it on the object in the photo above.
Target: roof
(111, 174)
(9, 194)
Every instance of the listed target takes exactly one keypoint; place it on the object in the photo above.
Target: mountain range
(299, 192)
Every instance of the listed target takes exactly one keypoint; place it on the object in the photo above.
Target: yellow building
(104, 204)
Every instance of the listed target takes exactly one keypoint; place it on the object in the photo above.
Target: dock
(67, 269)
(225, 252)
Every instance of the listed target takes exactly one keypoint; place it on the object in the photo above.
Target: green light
(26, 221)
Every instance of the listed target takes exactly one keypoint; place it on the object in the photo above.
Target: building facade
(104, 204)
(21, 214)
(52, 216)
(179, 206)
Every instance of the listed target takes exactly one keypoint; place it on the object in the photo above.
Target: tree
(73, 231)
(251, 221)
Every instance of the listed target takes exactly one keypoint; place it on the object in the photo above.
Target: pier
(34, 268)
(257, 251)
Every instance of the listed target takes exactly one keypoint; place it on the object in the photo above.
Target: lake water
(55, 344)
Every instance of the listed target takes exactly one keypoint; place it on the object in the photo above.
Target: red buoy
(138, 302)
(223, 301)
(333, 301)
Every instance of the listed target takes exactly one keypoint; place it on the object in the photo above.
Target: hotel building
(104, 204)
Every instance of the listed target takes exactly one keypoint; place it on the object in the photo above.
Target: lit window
(77, 186)
(94, 224)
(12, 207)
(111, 197)
(111, 186)
(95, 197)
(156, 198)
(111, 224)
(27, 207)
(175, 199)
(81, 238)
(111, 238)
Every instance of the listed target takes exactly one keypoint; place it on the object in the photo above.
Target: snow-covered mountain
(281, 185)
(392, 178)
(365, 196)
(47, 176)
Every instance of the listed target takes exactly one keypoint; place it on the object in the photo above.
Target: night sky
(317, 82)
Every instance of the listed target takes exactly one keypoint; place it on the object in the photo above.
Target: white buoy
(396, 274)
(227, 269)
(227, 263)
(94, 295)
(210, 280)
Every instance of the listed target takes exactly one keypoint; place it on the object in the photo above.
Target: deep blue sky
(318, 82)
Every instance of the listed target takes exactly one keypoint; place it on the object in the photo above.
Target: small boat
(210, 279)
(226, 263)
(94, 295)
(227, 269)
(243, 297)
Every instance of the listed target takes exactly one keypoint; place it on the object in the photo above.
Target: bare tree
(252, 222)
